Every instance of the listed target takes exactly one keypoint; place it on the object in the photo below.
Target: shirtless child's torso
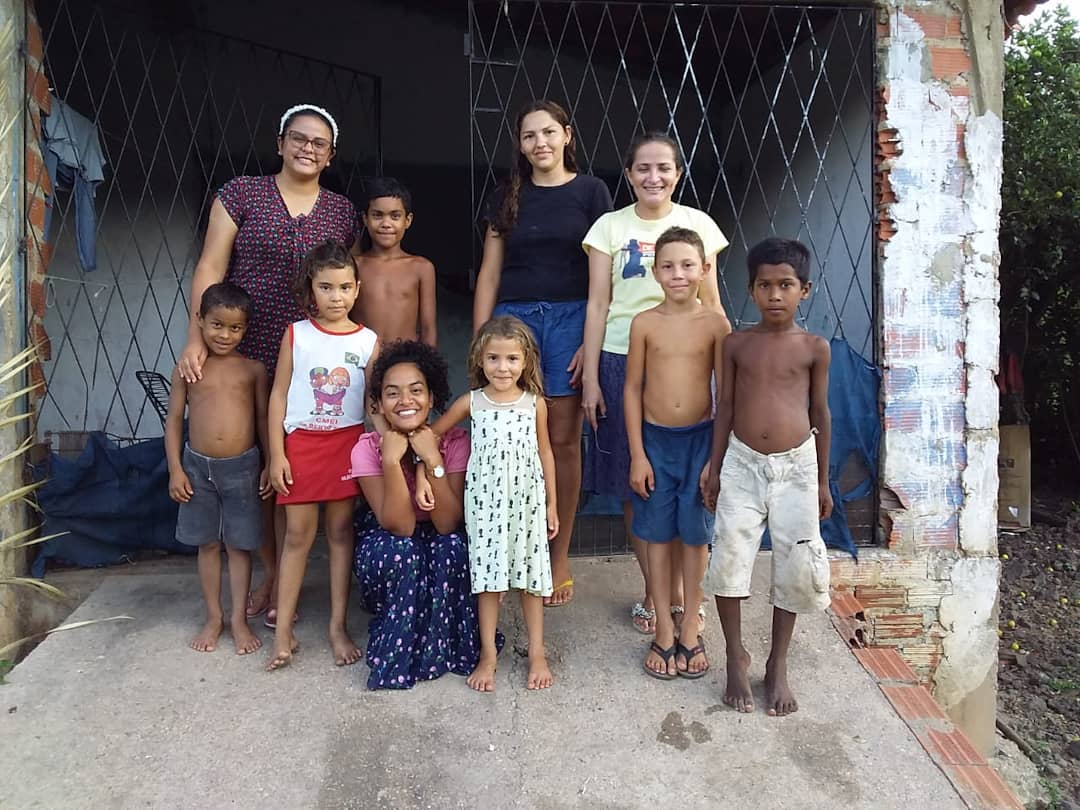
(222, 405)
(772, 381)
(680, 355)
(397, 297)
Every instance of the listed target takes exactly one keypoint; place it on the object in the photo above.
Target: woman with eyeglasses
(260, 227)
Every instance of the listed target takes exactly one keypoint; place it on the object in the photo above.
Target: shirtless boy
(772, 436)
(216, 476)
(397, 289)
(675, 348)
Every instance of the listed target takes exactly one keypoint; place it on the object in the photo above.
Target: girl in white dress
(510, 508)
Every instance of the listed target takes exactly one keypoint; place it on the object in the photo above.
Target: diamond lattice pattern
(178, 112)
(772, 107)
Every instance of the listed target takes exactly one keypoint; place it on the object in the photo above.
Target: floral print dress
(270, 245)
(424, 621)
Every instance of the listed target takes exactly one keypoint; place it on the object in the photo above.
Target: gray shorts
(225, 505)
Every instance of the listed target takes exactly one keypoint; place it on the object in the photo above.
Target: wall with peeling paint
(932, 593)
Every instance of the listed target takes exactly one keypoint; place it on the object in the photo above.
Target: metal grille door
(772, 105)
(178, 111)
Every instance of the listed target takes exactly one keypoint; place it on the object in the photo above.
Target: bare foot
(245, 641)
(345, 650)
(482, 678)
(282, 656)
(778, 695)
(540, 676)
(737, 694)
(564, 591)
(207, 639)
(259, 599)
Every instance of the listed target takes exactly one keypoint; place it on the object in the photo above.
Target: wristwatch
(436, 470)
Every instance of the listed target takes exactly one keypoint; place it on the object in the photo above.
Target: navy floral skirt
(424, 621)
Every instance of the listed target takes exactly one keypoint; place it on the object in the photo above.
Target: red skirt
(321, 463)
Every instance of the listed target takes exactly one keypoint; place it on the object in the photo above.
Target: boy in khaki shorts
(772, 434)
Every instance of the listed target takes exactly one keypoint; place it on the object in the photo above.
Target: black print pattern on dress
(506, 518)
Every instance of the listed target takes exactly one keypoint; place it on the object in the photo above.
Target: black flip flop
(688, 653)
(665, 656)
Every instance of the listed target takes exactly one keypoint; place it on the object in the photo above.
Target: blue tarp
(111, 502)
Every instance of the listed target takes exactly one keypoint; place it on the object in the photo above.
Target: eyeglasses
(320, 145)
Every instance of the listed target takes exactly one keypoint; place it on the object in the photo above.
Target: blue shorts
(674, 509)
(559, 329)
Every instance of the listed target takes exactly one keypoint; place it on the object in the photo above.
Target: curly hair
(509, 328)
(431, 364)
(505, 219)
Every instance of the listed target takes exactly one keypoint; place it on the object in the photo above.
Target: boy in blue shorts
(217, 477)
(675, 349)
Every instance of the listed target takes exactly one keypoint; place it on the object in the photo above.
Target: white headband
(289, 113)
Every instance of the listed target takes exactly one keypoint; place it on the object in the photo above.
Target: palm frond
(73, 626)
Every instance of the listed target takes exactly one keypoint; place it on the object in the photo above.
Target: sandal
(665, 656)
(644, 619)
(271, 619)
(679, 610)
(689, 654)
(252, 610)
(568, 585)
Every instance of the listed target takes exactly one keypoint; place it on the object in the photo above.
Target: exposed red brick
(35, 211)
(851, 630)
(947, 63)
(896, 626)
(40, 338)
(913, 702)
(935, 25)
(982, 783)
(960, 90)
(37, 379)
(35, 294)
(886, 665)
(37, 88)
(947, 536)
(875, 596)
(34, 47)
(846, 605)
(36, 176)
(952, 747)
(886, 229)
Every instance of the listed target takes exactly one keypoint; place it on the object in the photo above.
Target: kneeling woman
(413, 566)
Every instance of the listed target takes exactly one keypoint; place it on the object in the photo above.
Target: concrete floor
(125, 715)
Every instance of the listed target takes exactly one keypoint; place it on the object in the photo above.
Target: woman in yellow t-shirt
(620, 245)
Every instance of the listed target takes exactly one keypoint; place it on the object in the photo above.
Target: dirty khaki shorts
(779, 490)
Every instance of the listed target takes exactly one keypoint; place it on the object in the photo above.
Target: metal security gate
(772, 105)
(178, 110)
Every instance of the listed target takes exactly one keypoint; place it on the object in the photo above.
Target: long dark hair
(506, 217)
